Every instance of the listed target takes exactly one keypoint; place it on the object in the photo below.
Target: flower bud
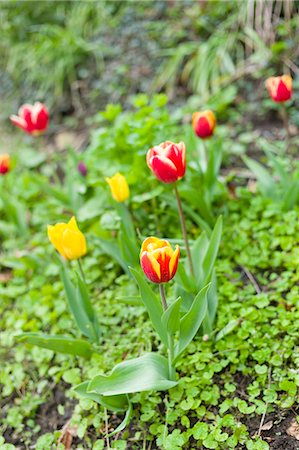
(33, 119)
(280, 88)
(82, 168)
(167, 161)
(119, 187)
(4, 164)
(158, 260)
(204, 123)
(68, 239)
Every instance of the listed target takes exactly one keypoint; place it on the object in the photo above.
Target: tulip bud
(158, 260)
(33, 119)
(4, 164)
(280, 88)
(119, 187)
(167, 161)
(67, 239)
(204, 123)
(82, 169)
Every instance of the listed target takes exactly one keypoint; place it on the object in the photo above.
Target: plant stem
(183, 226)
(81, 270)
(171, 369)
(163, 297)
(285, 119)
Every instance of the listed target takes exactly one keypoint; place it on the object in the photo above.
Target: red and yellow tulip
(33, 119)
(204, 123)
(4, 164)
(68, 240)
(167, 161)
(280, 88)
(158, 260)
(119, 187)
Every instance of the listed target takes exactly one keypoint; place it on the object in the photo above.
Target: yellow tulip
(119, 187)
(67, 239)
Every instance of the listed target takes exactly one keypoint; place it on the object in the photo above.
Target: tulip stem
(171, 369)
(184, 230)
(163, 297)
(285, 119)
(81, 271)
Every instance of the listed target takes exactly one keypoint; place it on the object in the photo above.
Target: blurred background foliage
(79, 55)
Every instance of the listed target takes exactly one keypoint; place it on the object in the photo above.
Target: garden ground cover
(237, 392)
(238, 387)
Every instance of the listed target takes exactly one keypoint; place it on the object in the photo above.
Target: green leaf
(171, 317)
(113, 402)
(76, 302)
(83, 299)
(265, 179)
(60, 344)
(125, 421)
(198, 252)
(191, 321)
(149, 372)
(211, 254)
(112, 249)
(227, 329)
(152, 304)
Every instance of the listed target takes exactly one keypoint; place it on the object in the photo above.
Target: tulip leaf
(124, 423)
(114, 402)
(60, 344)
(149, 372)
(112, 249)
(191, 321)
(171, 317)
(212, 300)
(212, 251)
(265, 179)
(77, 305)
(83, 299)
(152, 304)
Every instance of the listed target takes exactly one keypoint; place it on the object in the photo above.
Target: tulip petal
(74, 244)
(19, 122)
(164, 169)
(173, 264)
(150, 267)
(40, 116)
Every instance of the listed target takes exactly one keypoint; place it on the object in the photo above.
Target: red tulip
(33, 119)
(204, 123)
(4, 164)
(158, 260)
(280, 88)
(167, 161)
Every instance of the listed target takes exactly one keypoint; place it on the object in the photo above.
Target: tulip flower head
(158, 260)
(82, 169)
(33, 119)
(280, 88)
(167, 161)
(4, 164)
(68, 239)
(204, 123)
(119, 187)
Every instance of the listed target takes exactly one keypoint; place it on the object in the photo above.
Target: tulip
(167, 161)
(158, 260)
(280, 88)
(204, 123)
(4, 164)
(82, 169)
(119, 187)
(33, 119)
(67, 239)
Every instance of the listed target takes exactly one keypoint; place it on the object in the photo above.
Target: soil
(278, 423)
